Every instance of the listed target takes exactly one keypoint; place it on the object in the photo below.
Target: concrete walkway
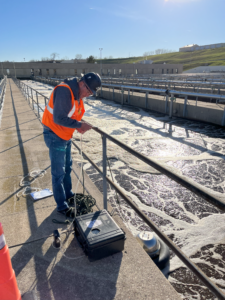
(42, 271)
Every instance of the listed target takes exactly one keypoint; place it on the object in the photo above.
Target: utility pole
(101, 58)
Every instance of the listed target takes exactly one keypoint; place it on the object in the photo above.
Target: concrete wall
(24, 70)
(203, 112)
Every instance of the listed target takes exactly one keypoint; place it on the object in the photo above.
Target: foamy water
(192, 149)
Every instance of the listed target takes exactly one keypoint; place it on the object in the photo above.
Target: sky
(32, 29)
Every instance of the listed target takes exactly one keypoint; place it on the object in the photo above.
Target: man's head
(88, 84)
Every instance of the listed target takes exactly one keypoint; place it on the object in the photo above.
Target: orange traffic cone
(8, 285)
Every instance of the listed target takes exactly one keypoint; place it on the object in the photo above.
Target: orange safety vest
(76, 113)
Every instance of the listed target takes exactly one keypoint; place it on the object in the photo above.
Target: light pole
(101, 58)
(24, 59)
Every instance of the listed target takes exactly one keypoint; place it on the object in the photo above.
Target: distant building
(195, 47)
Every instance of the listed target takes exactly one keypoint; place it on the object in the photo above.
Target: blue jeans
(61, 166)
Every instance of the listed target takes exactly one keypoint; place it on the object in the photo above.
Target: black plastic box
(99, 235)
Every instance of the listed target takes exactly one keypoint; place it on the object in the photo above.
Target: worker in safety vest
(62, 116)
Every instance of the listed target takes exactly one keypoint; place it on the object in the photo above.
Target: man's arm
(62, 107)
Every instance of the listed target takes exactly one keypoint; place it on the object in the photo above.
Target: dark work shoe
(69, 212)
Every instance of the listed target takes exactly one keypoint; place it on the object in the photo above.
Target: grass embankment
(190, 60)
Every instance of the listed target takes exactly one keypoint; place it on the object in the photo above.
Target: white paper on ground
(41, 194)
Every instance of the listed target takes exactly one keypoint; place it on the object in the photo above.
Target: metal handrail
(166, 91)
(152, 81)
(194, 188)
(148, 89)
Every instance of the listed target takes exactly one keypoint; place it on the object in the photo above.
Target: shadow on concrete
(21, 143)
(17, 124)
(17, 114)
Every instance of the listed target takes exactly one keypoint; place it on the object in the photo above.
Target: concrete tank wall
(206, 112)
(24, 70)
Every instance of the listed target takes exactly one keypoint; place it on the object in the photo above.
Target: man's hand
(84, 127)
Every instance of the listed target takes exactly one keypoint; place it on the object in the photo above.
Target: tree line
(158, 51)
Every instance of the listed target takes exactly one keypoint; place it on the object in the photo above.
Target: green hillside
(210, 57)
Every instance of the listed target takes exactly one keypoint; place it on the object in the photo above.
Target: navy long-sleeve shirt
(63, 104)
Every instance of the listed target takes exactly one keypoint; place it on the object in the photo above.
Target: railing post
(129, 96)
(28, 94)
(146, 100)
(113, 94)
(185, 106)
(196, 101)
(32, 98)
(171, 106)
(122, 96)
(37, 104)
(166, 105)
(104, 165)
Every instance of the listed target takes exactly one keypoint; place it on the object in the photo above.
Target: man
(61, 117)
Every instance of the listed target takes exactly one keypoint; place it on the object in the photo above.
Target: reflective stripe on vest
(51, 109)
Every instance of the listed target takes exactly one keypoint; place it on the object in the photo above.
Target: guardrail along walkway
(42, 271)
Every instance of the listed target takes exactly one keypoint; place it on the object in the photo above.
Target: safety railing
(192, 186)
(169, 95)
(2, 90)
(180, 83)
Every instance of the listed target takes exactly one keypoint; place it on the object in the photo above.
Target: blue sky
(35, 29)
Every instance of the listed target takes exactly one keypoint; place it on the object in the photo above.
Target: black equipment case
(99, 235)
